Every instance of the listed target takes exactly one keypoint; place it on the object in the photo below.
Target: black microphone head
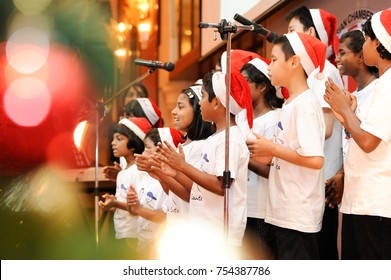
(169, 66)
(203, 25)
(272, 36)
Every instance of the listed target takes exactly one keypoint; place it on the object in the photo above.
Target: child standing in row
(127, 140)
(146, 195)
(207, 193)
(296, 193)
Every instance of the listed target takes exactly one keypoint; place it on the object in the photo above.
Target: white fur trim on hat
(133, 127)
(148, 109)
(165, 135)
(197, 90)
(319, 25)
(261, 66)
(380, 30)
(299, 49)
(219, 87)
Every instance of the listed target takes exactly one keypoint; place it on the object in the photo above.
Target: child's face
(149, 146)
(183, 113)
(369, 51)
(347, 61)
(119, 145)
(295, 26)
(206, 107)
(278, 67)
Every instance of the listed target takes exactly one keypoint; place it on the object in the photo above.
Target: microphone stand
(100, 107)
(226, 29)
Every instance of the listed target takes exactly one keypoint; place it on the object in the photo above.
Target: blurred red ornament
(72, 92)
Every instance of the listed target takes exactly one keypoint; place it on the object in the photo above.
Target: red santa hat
(171, 135)
(238, 59)
(140, 126)
(381, 25)
(152, 111)
(312, 52)
(240, 94)
(326, 26)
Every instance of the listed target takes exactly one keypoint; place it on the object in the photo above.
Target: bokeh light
(27, 101)
(28, 7)
(27, 50)
(174, 243)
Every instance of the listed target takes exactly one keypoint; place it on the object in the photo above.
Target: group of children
(288, 119)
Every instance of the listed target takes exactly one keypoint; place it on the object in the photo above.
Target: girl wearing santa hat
(366, 207)
(258, 237)
(128, 139)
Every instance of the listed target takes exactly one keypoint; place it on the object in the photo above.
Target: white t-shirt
(296, 194)
(368, 175)
(361, 97)
(176, 208)
(264, 125)
(125, 224)
(151, 196)
(332, 147)
(208, 207)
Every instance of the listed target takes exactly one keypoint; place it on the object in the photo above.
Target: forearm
(205, 180)
(366, 141)
(177, 188)
(149, 214)
(314, 162)
(120, 205)
(259, 168)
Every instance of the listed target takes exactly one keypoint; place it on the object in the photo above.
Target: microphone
(168, 66)
(259, 29)
(209, 25)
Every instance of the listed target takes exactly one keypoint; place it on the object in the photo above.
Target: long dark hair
(257, 77)
(198, 129)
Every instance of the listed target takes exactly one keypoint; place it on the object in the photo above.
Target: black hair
(367, 29)
(198, 129)
(133, 142)
(134, 109)
(303, 14)
(354, 40)
(208, 85)
(154, 135)
(140, 89)
(257, 77)
(285, 46)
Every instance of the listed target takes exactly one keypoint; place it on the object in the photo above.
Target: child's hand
(132, 201)
(339, 100)
(142, 162)
(334, 190)
(108, 202)
(170, 156)
(111, 172)
(260, 149)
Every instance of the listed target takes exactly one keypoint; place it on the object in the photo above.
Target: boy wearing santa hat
(296, 188)
(323, 25)
(366, 207)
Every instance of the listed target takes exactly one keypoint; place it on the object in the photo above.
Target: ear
(311, 31)
(217, 103)
(361, 56)
(295, 61)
